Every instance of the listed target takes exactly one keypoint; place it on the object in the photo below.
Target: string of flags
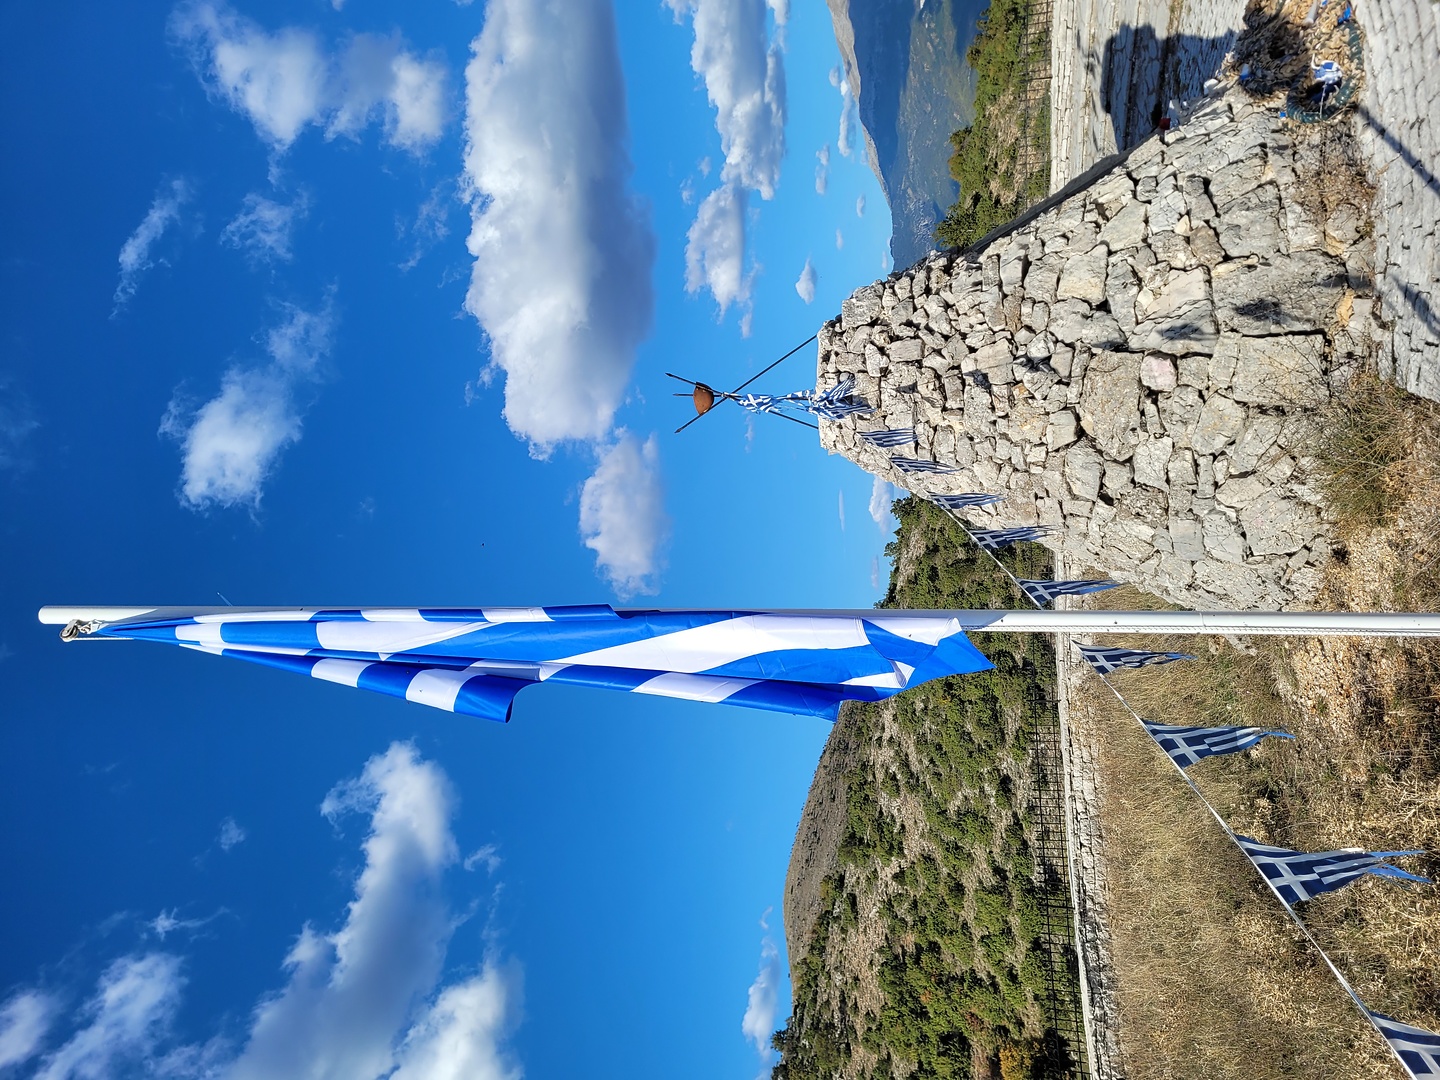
(920, 465)
(1293, 876)
(834, 404)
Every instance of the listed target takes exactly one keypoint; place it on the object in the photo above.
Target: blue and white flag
(1042, 592)
(1298, 875)
(475, 660)
(833, 404)
(964, 501)
(838, 402)
(1417, 1048)
(995, 539)
(1105, 660)
(1187, 745)
(890, 437)
(920, 465)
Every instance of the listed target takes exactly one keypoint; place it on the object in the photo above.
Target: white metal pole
(1239, 623)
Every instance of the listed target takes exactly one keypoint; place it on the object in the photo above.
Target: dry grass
(1214, 980)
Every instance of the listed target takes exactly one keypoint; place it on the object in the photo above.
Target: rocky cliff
(1140, 364)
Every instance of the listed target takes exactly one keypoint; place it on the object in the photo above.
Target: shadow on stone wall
(1140, 72)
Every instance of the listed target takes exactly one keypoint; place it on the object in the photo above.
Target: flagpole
(1237, 623)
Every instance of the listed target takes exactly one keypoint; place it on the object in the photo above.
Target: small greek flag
(1187, 745)
(890, 437)
(1417, 1048)
(920, 465)
(1105, 660)
(475, 660)
(1042, 592)
(995, 539)
(836, 403)
(1298, 875)
(964, 501)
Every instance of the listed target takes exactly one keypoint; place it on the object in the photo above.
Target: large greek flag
(890, 437)
(1187, 745)
(920, 465)
(475, 660)
(1417, 1048)
(1298, 875)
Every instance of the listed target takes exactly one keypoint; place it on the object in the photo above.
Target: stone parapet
(1140, 365)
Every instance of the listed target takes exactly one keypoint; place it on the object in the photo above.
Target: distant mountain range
(905, 62)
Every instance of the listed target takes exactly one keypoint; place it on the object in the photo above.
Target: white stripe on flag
(693, 687)
(344, 672)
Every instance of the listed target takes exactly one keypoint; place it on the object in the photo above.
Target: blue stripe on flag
(1417, 1048)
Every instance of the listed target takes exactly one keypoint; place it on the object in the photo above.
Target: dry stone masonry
(1139, 365)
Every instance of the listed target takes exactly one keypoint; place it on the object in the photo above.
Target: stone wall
(1139, 366)
(1400, 126)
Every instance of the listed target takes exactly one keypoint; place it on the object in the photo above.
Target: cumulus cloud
(135, 253)
(822, 169)
(362, 1002)
(24, 1020)
(130, 1012)
(262, 229)
(882, 494)
(230, 834)
(805, 285)
(742, 65)
(715, 248)
(622, 514)
(231, 444)
(759, 1021)
(860, 206)
(563, 252)
(287, 81)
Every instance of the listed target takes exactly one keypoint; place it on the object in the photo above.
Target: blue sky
(358, 302)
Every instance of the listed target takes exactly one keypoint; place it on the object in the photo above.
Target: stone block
(1158, 372)
(1083, 276)
(1286, 293)
(1180, 412)
(906, 351)
(861, 306)
(1110, 403)
(1221, 422)
(1250, 225)
(1126, 229)
(1280, 370)
(1275, 525)
(1152, 456)
(1187, 539)
(1062, 430)
(1084, 470)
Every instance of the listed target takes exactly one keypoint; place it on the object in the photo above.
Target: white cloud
(743, 68)
(230, 445)
(759, 1021)
(287, 81)
(135, 257)
(230, 834)
(350, 993)
(860, 206)
(839, 240)
(134, 1002)
(167, 922)
(805, 284)
(363, 1002)
(822, 169)
(489, 854)
(432, 224)
(875, 571)
(842, 510)
(261, 231)
(563, 252)
(715, 249)
(882, 494)
(459, 1037)
(24, 1020)
(622, 514)
(849, 114)
(17, 421)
